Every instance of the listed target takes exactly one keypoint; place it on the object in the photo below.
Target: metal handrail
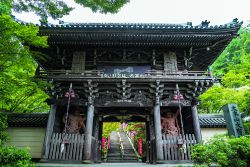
(121, 145)
(131, 143)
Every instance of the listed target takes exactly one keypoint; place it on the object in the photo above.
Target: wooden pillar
(96, 135)
(147, 140)
(196, 124)
(49, 131)
(152, 155)
(158, 134)
(100, 139)
(88, 134)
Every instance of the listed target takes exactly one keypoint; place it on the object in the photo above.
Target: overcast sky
(161, 11)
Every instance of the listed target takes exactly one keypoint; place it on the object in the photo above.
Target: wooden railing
(73, 147)
(178, 147)
(177, 73)
(148, 73)
(69, 72)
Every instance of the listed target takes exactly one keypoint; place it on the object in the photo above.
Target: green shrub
(247, 127)
(223, 151)
(10, 156)
(3, 127)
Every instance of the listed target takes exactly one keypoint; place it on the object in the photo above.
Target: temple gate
(153, 72)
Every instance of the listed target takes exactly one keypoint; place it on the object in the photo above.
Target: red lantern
(140, 146)
(178, 97)
(103, 143)
(70, 93)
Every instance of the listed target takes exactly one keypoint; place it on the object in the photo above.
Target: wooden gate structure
(140, 70)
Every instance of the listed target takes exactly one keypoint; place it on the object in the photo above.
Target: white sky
(161, 11)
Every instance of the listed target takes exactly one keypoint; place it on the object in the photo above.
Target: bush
(247, 127)
(223, 151)
(10, 156)
(3, 127)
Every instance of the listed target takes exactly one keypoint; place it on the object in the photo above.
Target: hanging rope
(70, 94)
(179, 97)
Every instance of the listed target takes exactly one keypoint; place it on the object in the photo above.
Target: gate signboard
(233, 120)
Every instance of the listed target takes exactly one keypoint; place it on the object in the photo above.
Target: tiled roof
(212, 120)
(205, 41)
(28, 120)
(40, 120)
(154, 26)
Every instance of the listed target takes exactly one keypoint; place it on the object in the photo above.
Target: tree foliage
(108, 127)
(103, 6)
(20, 92)
(235, 53)
(43, 8)
(57, 9)
(3, 127)
(233, 65)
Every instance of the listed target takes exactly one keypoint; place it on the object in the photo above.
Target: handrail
(121, 145)
(185, 72)
(131, 143)
(70, 72)
(99, 73)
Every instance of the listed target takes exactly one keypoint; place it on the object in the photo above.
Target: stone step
(121, 161)
(129, 151)
(114, 158)
(114, 154)
(129, 157)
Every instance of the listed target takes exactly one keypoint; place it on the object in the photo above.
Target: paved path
(112, 165)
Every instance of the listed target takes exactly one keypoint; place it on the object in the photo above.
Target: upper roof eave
(140, 26)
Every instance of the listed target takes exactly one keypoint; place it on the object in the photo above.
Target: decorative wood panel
(78, 62)
(170, 61)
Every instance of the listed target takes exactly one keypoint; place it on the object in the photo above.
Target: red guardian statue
(169, 123)
(75, 122)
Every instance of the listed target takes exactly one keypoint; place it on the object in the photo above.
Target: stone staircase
(114, 154)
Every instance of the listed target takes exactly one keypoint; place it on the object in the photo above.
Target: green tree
(233, 65)
(20, 92)
(108, 127)
(57, 8)
(103, 6)
(233, 53)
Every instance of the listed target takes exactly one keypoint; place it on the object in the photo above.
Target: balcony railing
(147, 74)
